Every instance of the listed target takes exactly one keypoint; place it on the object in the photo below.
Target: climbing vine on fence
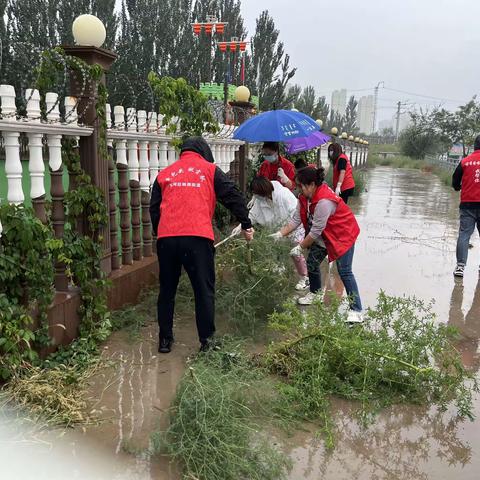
(28, 248)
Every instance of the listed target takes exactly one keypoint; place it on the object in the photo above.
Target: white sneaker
(355, 317)
(309, 298)
(302, 284)
(459, 269)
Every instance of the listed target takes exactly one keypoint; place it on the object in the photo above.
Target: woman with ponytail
(331, 230)
(343, 183)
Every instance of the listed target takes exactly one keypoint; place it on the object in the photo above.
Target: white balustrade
(36, 166)
(121, 148)
(163, 155)
(133, 164)
(143, 152)
(33, 105)
(119, 117)
(13, 167)
(153, 155)
(7, 95)
(172, 155)
(71, 115)
(108, 118)
(54, 141)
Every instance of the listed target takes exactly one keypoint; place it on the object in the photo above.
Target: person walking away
(274, 205)
(276, 167)
(331, 229)
(466, 179)
(181, 209)
(343, 183)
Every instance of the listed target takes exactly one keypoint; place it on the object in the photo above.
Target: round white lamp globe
(242, 94)
(88, 30)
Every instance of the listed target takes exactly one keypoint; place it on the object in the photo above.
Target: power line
(424, 96)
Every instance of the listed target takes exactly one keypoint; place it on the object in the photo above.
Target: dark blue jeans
(344, 266)
(469, 217)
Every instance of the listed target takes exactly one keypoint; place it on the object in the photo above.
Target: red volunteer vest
(348, 181)
(470, 191)
(188, 198)
(270, 170)
(342, 228)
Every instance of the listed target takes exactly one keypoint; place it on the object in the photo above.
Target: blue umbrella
(276, 126)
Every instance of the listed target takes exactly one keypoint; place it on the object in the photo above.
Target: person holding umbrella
(331, 230)
(276, 167)
(343, 182)
(182, 206)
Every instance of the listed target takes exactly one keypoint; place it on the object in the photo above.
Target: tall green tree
(5, 42)
(322, 110)
(269, 70)
(307, 101)
(350, 125)
(31, 28)
(293, 96)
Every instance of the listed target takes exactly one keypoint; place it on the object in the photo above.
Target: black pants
(346, 194)
(196, 255)
(315, 257)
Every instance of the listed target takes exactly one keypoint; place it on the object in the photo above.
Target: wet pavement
(407, 246)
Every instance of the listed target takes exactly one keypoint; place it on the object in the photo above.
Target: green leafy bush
(400, 355)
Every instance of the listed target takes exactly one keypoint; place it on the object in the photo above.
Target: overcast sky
(428, 47)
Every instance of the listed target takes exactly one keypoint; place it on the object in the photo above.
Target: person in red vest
(343, 182)
(276, 167)
(182, 206)
(331, 230)
(466, 178)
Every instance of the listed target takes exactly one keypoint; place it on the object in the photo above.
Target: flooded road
(407, 246)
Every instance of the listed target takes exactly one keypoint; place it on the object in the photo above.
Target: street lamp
(319, 123)
(334, 131)
(88, 30)
(242, 94)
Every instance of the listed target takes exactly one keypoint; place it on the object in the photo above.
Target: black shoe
(165, 345)
(209, 344)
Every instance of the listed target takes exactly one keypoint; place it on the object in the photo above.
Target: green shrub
(400, 355)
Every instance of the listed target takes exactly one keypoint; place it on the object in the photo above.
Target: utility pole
(375, 106)
(399, 106)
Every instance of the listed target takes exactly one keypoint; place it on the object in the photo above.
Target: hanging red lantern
(222, 46)
(208, 28)
(233, 46)
(197, 28)
(219, 28)
(243, 46)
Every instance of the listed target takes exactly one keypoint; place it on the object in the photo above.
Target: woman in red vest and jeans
(331, 229)
(181, 208)
(343, 182)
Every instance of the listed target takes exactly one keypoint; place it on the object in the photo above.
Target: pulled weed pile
(213, 430)
(399, 356)
(50, 397)
(253, 280)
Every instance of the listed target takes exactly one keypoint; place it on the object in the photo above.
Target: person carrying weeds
(331, 229)
(273, 205)
(466, 179)
(182, 206)
(342, 183)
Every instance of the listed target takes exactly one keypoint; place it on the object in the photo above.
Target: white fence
(138, 138)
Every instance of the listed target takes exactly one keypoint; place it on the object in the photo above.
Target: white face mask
(271, 158)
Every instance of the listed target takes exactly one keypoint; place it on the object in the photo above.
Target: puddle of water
(409, 224)
(407, 246)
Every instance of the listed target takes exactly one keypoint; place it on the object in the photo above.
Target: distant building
(365, 114)
(339, 101)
